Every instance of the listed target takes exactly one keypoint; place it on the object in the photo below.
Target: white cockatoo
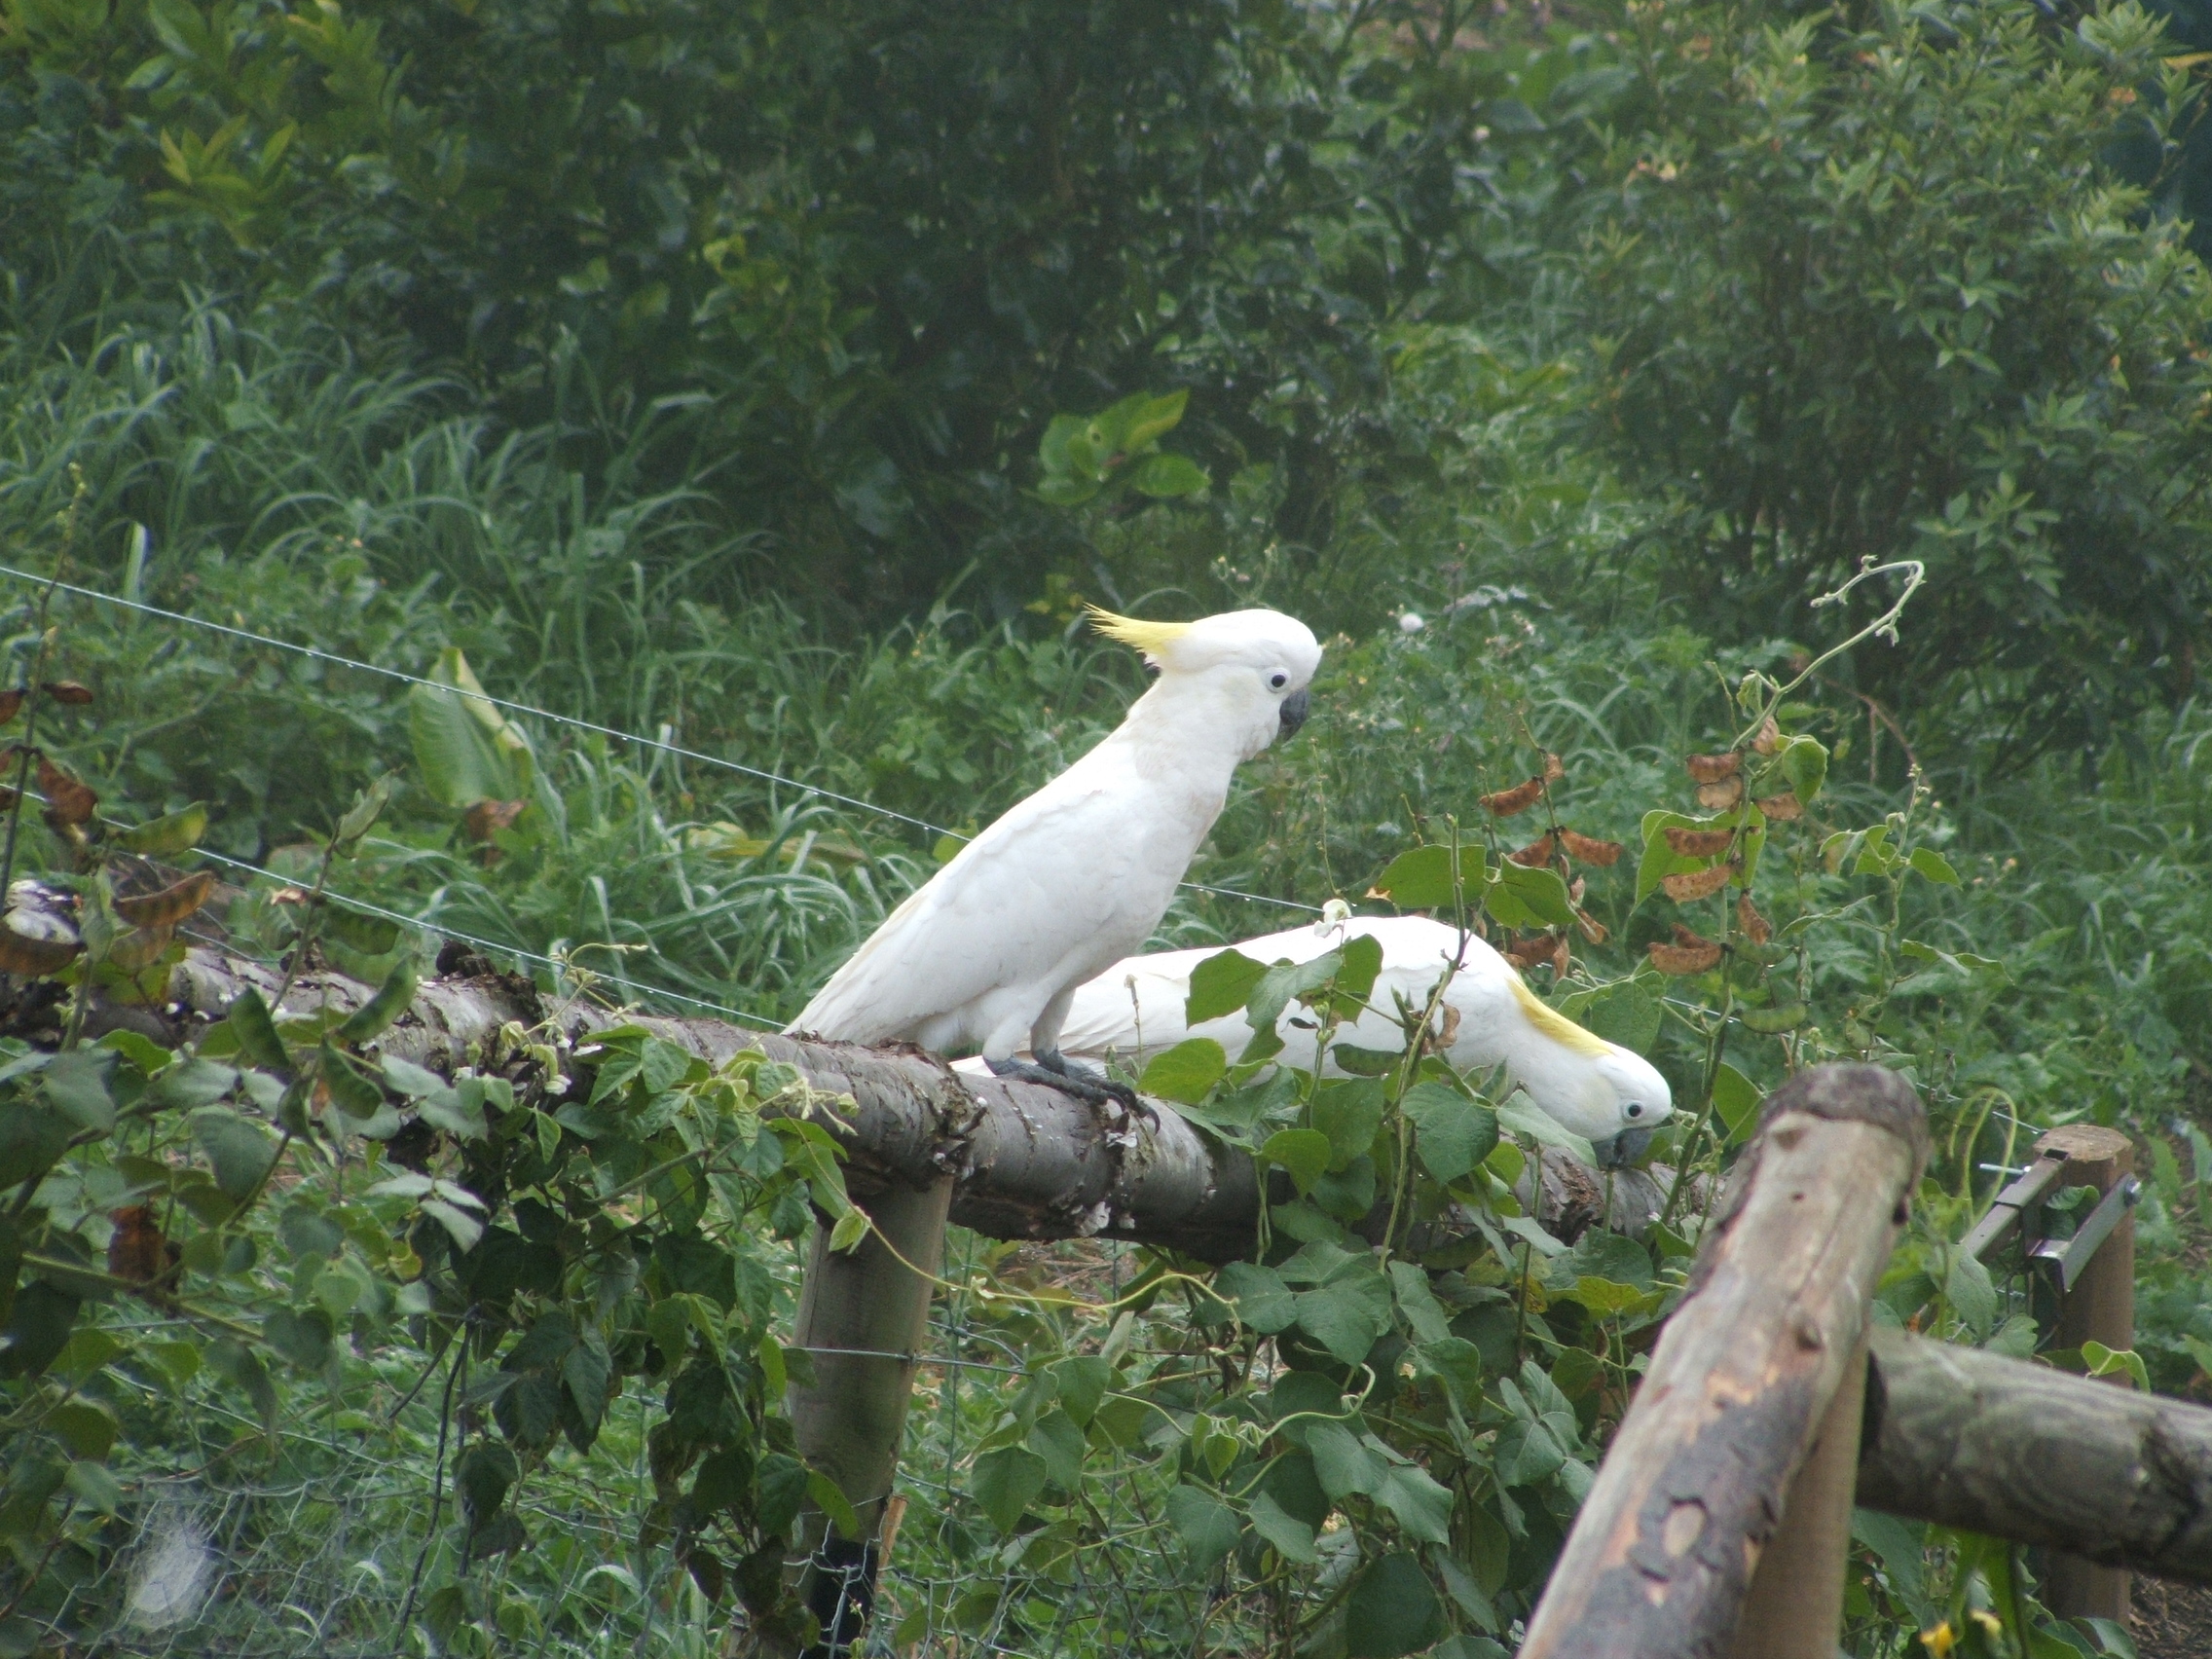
(987, 954)
(1609, 1095)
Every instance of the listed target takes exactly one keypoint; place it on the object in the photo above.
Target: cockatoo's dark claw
(1055, 1070)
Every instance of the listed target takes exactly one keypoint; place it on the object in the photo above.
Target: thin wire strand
(536, 712)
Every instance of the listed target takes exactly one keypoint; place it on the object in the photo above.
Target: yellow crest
(1149, 637)
(1555, 1025)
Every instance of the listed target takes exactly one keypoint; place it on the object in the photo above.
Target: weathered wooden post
(1742, 1383)
(2095, 1271)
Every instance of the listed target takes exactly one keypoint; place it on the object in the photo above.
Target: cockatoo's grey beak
(1624, 1149)
(1293, 715)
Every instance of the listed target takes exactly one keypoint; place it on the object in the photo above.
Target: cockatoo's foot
(1055, 1070)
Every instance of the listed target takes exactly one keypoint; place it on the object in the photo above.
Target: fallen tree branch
(2016, 1451)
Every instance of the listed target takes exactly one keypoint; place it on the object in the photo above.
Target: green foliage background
(731, 376)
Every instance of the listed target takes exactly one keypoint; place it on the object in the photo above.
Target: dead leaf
(1783, 808)
(1560, 961)
(67, 801)
(484, 820)
(1696, 884)
(1593, 929)
(1527, 952)
(30, 958)
(68, 691)
(11, 704)
(1697, 843)
(1721, 797)
(1575, 890)
(1519, 798)
(1712, 768)
(171, 905)
(1554, 770)
(1535, 855)
(1755, 927)
(1447, 1032)
(1769, 738)
(1583, 849)
(138, 1249)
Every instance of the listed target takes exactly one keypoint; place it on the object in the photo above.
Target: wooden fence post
(1662, 1552)
(2098, 1308)
(1794, 1606)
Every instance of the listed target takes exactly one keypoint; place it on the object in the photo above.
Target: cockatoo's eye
(1635, 1110)
(1277, 680)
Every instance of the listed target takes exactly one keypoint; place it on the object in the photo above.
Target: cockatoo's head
(1243, 673)
(1612, 1096)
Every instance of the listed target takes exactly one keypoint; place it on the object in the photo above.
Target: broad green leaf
(353, 1092)
(466, 749)
(1459, 1363)
(1187, 1071)
(241, 1153)
(1219, 985)
(87, 1429)
(829, 1497)
(1422, 1508)
(1417, 1300)
(1263, 1301)
(1056, 1438)
(1166, 476)
(304, 1339)
(1934, 866)
(1627, 1015)
(1804, 761)
(191, 1082)
(1609, 1256)
(1736, 1102)
(1346, 1315)
(250, 1022)
(1973, 1297)
(1304, 1153)
(1208, 1526)
(1342, 1461)
(77, 1082)
(1539, 893)
(1143, 418)
(1421, 878)
(1392, 1610)
(1082, 1383)
(1006, 1481)
(1291, 1537)
(1523, 1118)
(405, 1077)
(1452, 1134)
(1349, 1114)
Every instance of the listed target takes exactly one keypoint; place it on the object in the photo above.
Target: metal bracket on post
(2068, 1258)
(2019, 1205)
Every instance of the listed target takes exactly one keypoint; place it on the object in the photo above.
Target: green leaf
(1934, 866)
(1342, 1461)
(1263, 1301)
(1804, 761)
(1392, 1610)
(1208, 1526)
(1304, 1153)
(304, 1339)
(77, 1084)
(241, 1153)
(1736, 1102)
(1452, 1134)
(1523, 1118)
(244, 1368)
(1627, 1015)
(1459, 1363)
(1056, 1438)
(1417, 1300)
(1537, 896)
(1973, 1297)
(1422, 1508)
(88, 1430)
(1006, 1481)
(1348, 1315)
(391, 1002)
(356, 1092)
(829, 1497)
(466, 749)
(1291, 1537)
(165, 837)
(1219, 985)
(1187, 1071)
(1421, 878)
(1082, 1382)
(1349, 1114)
(1166, 476)
(1144, 420)
(369, 804)
(191, 1082)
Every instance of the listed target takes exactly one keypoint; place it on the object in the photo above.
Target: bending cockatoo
(986, 955)
(1605, 1094)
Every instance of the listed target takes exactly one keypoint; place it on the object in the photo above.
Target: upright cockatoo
(986, 955)
(1608, 1094)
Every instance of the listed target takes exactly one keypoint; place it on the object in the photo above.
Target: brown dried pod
(1575, 890)
(1519, 798)
(1783, 808)
(1689, 936)
(1584, 849)
(1769, 738)
(1562, 961)
(1445, 1033)
(11, 704)
(1697, 843)
(1754, 926)
(138, 949)
(67, 801)
(1554, 770)
(1697, 883)
(67, 691)
(1535, 855)
(1721, 797)
(1527, 952)
(30, 958)
(1679, 959)
(484, 820)
(1712, 768)
(1593, 929)
(171, 905)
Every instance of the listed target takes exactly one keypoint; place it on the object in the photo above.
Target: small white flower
(1411, 623)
